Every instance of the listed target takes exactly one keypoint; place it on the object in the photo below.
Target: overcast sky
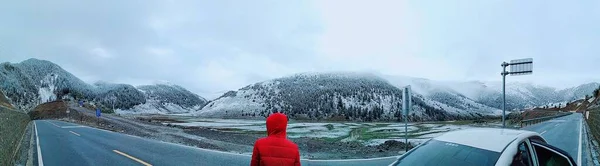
(213, 46)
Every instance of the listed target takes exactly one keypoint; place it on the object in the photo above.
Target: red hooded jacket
(275, 149)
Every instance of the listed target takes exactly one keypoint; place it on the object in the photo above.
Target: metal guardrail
(541, 119)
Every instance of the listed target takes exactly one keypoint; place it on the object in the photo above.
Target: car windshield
(439, 153)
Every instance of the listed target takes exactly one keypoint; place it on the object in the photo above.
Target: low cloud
(100, 53)
(213, 46)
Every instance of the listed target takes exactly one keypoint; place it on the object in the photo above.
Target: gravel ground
(311, 148)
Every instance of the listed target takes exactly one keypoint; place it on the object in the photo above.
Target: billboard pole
(517, 67)
(504, 73)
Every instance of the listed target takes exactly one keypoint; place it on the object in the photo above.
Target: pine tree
(340, 104)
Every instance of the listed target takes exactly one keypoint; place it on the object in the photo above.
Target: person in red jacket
(275, 149)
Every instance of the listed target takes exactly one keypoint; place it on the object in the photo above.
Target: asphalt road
(564, 133)
(65, 144)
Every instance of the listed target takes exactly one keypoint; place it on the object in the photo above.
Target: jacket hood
(276, 125)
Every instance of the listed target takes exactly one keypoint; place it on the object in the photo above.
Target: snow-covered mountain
(518, 95)
(122, 96)
(33, 81)
(354, 96)
(527, 95)
(578, 92)
(439, 92)
(163, 98)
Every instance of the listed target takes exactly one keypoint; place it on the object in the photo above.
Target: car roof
(492, 139)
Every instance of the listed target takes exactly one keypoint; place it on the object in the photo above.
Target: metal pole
(406, 132)
(405, 109)
(504, 94)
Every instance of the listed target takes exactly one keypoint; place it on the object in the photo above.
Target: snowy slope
(488, 95)
(578, 92)
(442, 93)
(33, 81)
(354, 96)
(526, 95)
(166, 99)
(47, 88)
(122, 96)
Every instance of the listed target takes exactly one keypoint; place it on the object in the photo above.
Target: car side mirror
(550, 155)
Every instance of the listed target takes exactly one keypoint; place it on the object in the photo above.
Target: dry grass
(531, 114)
(12, 127)
(594, 124)
(538, 114)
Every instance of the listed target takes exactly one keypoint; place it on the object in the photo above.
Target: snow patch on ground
(344, 131)
(210, 124)
(394, 128)
(292, 125)
(317, 132)
(433, 125)
(155, 107)
(562, 104)
(375, 142)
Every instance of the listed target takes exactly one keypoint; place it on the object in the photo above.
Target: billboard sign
(406, 100)
(521, 66)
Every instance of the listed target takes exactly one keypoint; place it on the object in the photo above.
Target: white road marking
(39, 150)
(75, 133)
(52, 123)
(131, 157)
(580, 132)
(543, 132)
(68, 127)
